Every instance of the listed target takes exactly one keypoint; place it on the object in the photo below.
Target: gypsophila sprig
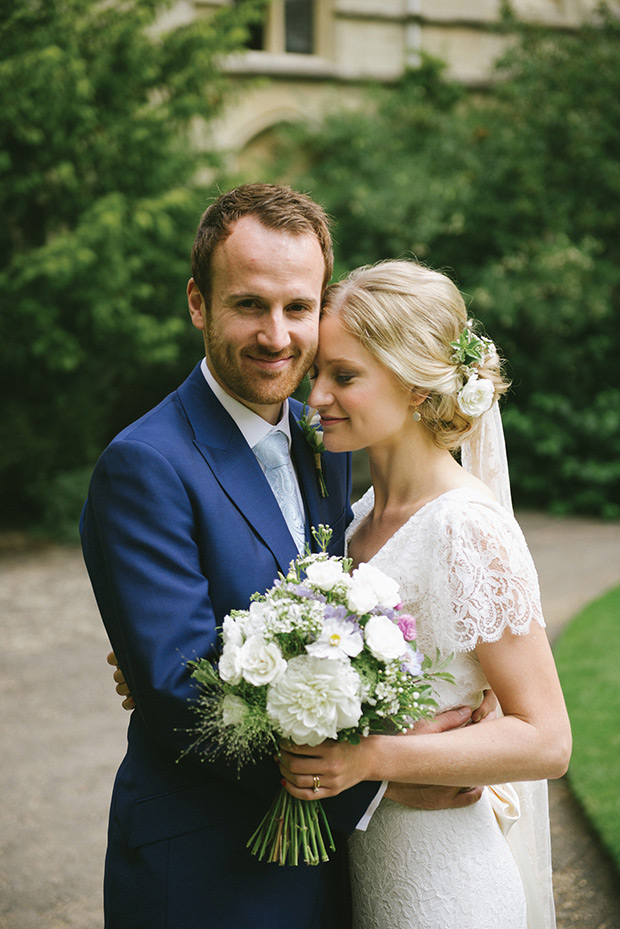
(314, 437)
(325, 653)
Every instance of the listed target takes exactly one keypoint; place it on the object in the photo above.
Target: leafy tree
(514, 193)
(99, 198)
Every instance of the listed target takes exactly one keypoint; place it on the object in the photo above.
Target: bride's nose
(319, 395)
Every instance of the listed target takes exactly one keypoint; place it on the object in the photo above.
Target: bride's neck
(409, 475)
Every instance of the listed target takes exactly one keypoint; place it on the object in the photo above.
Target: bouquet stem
(293, 829)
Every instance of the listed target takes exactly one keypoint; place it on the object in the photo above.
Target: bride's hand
(313, 773)
(317, 772)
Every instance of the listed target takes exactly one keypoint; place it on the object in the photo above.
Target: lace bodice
(466, 575)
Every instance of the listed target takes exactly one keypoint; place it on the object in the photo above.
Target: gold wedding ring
(316, 780)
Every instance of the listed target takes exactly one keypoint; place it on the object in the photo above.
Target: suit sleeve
(141, 551)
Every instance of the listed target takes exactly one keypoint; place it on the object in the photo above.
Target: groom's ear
(196, 304)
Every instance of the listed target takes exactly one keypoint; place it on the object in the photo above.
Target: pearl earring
(416, 416)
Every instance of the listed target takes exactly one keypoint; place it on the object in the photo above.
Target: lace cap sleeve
(483, 577)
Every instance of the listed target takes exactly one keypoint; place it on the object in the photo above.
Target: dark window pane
(299, 26)
(256, 32)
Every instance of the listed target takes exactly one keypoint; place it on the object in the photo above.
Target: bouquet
(324, 654)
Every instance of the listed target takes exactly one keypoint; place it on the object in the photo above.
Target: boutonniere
(314, 438)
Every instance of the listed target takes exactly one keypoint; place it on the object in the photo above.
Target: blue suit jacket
(180, 527)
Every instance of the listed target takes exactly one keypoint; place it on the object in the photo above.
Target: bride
(401, 373)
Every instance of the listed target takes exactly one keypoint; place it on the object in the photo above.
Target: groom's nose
(274, 333)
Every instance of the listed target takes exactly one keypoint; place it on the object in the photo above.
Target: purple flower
(305, 593)
(413, 663)
(334, 611)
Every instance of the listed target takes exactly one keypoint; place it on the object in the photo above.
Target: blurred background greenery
(513, 190)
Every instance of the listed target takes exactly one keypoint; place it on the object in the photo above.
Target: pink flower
(406, 624)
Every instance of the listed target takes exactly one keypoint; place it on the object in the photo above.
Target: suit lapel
(235, 467)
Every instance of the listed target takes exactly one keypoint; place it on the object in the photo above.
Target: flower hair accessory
(314, 438)
(470, 352)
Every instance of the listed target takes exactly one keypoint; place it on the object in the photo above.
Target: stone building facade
(313, 54)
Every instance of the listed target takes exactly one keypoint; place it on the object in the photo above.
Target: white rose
(476, 397)
(314, 699)
(261, 662)
(230, 664)
(252, 621)
(384, 638)
(385, 588)
(234, 710)
(324, 574)
(361, 597)
(231, 632)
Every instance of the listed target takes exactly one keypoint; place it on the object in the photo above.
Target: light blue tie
(272, 452)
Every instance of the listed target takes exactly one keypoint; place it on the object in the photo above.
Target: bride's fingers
(307, 751)
(299, 764)
(308, 791)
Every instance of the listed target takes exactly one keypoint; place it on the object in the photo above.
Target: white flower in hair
(476, 396)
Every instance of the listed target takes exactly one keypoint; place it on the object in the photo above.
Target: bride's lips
(327, 421)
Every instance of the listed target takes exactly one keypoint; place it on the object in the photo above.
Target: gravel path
(63, 732)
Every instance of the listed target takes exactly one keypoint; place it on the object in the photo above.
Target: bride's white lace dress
(465, 573)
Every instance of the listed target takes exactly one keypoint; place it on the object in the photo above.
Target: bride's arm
(531, 741)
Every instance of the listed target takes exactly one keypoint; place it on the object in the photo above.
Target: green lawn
(588, 660)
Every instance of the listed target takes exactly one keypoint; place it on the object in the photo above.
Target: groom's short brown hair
(275, 206)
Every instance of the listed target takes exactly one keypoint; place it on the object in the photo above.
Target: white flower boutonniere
(314, 437)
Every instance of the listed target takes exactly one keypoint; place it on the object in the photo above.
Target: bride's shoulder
(473, 511)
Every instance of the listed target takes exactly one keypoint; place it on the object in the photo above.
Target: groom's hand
(454, 719)
(122, 687)
(431, 797)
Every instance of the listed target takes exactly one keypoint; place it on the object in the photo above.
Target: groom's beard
(236, 369)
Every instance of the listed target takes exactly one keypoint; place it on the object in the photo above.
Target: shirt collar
(252, 426)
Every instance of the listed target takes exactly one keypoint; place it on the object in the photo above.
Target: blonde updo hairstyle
(406, 315)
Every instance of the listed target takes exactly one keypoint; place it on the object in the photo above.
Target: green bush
(60, 503)
(588, 656)
(514, 194)
(99, 202)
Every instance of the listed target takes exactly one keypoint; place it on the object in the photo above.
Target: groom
(180, 527)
